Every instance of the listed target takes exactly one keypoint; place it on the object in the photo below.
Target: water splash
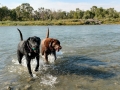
(49, 80)
(46, 78)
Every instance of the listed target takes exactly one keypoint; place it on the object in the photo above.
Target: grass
(55, 22)
(111, 21)
(31, 23)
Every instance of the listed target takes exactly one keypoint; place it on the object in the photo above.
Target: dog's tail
(20, 34)
(47, 36)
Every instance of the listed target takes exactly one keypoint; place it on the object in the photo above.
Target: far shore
(56, 22)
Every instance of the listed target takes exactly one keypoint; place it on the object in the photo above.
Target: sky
(64, 5)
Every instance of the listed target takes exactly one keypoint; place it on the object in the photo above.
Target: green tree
(79, 13)
(71, 14)
(4, 13)
(112, 13)
(13, 15)
(24, 11)
(61, 14)
(44, 14)
(88, 15)
(36, 15)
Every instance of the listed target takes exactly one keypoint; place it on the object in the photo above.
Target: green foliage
(25, 12)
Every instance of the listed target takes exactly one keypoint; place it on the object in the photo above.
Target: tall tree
(24, 11)
(79, 13)
(13, 15)
(112, 13)
(88, 15)
(4, 13)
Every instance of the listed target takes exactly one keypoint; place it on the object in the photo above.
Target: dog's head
(55, 44)
(34, 43)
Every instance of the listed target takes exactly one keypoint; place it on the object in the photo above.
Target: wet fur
(49, 46)
(30, 50)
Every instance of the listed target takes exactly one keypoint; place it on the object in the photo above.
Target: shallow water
(89, 59)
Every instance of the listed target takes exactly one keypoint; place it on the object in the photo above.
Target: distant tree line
(25, 12)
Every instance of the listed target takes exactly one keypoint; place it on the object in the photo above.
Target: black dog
(29, 48)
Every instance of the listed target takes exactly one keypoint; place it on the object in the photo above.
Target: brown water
(89, 59)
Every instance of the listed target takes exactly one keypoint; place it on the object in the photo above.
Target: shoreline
(54, 23)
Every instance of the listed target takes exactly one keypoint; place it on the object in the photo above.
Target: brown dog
(50, 46)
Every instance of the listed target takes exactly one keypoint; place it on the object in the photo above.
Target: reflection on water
(89, 59)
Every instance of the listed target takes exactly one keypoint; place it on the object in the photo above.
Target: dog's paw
(20, 62)
(31, 75)
(36, 70)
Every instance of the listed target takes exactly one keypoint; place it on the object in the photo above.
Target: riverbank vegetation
(25, 14)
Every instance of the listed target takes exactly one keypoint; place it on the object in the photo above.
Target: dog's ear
(51, 42)
(28, 38)
(38, 40)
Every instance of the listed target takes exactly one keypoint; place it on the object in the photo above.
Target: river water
(89, 59)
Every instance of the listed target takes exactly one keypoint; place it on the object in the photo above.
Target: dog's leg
(37, 66)
(54, 53)
(46, 58)
(29, 65)
(19, 55)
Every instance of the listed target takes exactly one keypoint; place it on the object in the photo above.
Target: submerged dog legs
(46, 58)
(19, 55)
(29, 65)
(37, 66)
